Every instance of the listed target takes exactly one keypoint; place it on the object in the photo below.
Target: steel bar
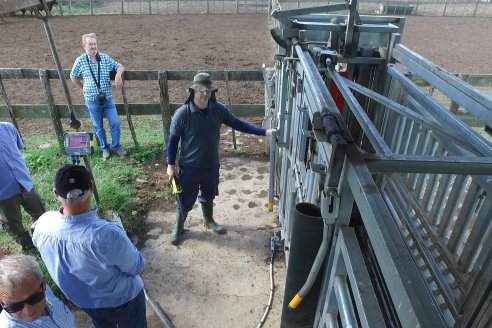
(370, 130)
(361, 287)
(428, 164)
(403, 198)
(473, 245)
(346, 311)
(431, 123)
(442, 114)
(323, 102)
(474, 101)
(400, 274)
(284, 15)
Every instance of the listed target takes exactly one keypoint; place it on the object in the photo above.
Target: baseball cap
(70, 177)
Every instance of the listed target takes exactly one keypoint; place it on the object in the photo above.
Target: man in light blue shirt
(92, 261)
(94, 69)
(26, 299)
(16, 187)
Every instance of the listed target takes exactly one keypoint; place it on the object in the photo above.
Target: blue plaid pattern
(81, 70)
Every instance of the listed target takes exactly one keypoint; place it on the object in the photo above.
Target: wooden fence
(164, 108)
(123, 7)
(475, 8)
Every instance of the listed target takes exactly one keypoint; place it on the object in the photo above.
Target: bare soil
(210, 280)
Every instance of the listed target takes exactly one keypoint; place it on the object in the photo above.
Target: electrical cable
(272, 287)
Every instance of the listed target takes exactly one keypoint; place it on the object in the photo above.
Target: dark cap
(203, 81)
(70, 177)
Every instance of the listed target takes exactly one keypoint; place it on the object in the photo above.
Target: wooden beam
(128, 115)
(48, 97)
(145, 75)
(164, 105)
(42, 111)
(3, 95)
(7, 6)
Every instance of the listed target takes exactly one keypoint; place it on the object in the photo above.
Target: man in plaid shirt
(94, 69)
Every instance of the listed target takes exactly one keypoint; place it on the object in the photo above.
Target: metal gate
(403, 186)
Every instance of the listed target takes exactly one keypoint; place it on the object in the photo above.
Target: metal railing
(403, 183)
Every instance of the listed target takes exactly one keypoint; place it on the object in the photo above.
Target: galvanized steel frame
(420, 188)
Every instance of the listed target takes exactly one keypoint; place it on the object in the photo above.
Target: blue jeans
(200, 182)
(97, 113)
(128, 315)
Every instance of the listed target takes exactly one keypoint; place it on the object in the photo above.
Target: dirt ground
(211, 280)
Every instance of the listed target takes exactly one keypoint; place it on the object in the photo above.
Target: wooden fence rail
(475, 8)
(164, 108)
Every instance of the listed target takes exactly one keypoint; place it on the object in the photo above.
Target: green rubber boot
(179, 228)
(208, 218)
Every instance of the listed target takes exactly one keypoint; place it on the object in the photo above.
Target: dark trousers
(128, 315)
(198, 182)
(11, 216)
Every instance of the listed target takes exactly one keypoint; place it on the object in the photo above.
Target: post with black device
(81, 144)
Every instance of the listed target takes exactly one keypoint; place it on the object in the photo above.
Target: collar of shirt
(194, 109)
(87, 215)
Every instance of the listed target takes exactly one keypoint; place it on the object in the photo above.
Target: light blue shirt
(59, 316)
(13, 168)
(92, 261)
(80, 70)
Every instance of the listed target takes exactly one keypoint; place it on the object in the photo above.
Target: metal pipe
(313, 274)
(158, 311)
(115, 218)
(271, 184)
(347, 315)
(324, 103)
(74, 122)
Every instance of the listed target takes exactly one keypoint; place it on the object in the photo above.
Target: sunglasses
(31, 300)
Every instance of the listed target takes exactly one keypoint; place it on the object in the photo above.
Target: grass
(115, 179)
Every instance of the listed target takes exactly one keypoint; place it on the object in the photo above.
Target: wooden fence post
(164, 102)
(48, 97)
(3, 93)
(60, 8)
(226, 78)
(476, 7)
(122, 7)
(92, 8)
(150, 7)
(128, 117)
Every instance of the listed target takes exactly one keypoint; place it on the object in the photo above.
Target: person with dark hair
(94, 69)
(197, 125)
(27, 300)
(16, 188)
(92, 260)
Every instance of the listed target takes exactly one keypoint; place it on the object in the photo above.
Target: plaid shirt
(81, 70)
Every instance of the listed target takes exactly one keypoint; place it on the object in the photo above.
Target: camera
(101, 97)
